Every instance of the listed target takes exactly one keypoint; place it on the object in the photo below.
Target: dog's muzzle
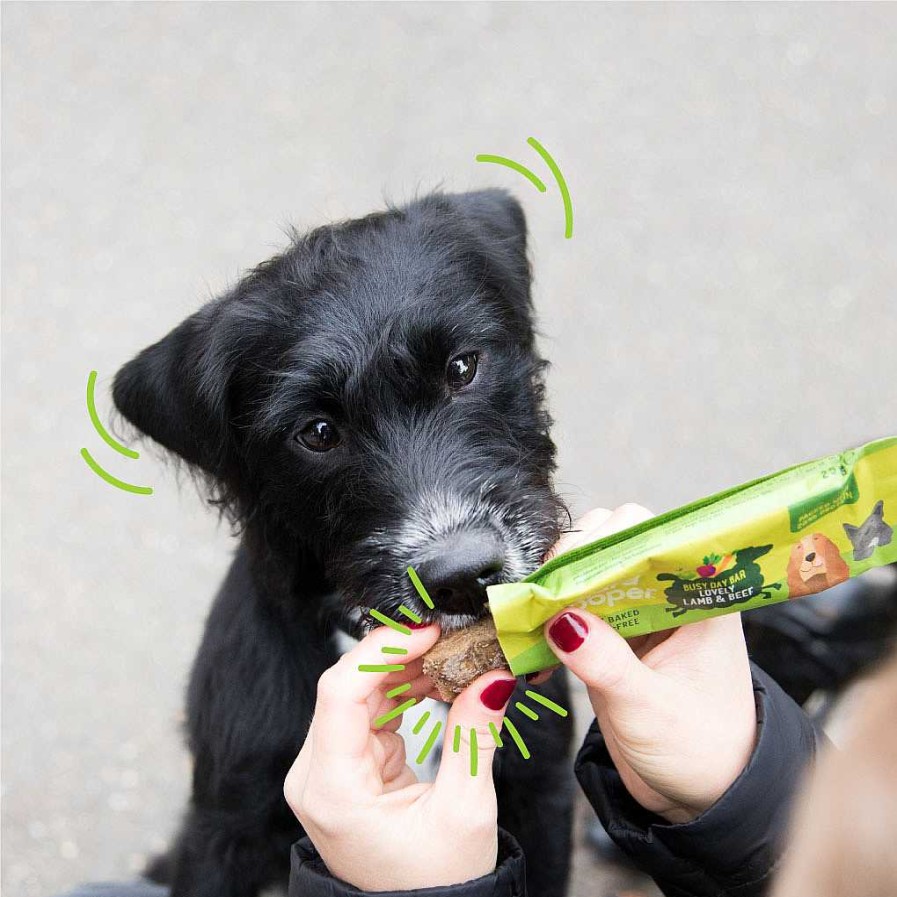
(457, 567)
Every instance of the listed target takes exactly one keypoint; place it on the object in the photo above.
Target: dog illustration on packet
(872, 533)
(817, 564)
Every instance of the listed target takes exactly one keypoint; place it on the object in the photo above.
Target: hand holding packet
(781, 537)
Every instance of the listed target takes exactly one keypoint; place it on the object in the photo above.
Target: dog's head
(814, 555)
(372, 399)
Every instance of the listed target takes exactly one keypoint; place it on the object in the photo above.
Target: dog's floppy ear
(499, 219)
(175, 391)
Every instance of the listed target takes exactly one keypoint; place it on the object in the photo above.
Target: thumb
(598, 655)
(472, 735)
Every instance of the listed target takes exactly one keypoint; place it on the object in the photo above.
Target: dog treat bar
(460, 657)
(785, 536)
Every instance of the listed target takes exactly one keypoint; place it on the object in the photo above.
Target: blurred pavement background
(725, 308)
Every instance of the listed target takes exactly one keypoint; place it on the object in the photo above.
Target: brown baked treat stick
(460, 657)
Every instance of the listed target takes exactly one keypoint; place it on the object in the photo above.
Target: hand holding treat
(785, 536)
(676, 708)
(373, 824)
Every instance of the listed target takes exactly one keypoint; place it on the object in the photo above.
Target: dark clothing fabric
(731, 850)
(309, 876)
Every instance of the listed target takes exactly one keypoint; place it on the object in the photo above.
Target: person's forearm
(734, 846)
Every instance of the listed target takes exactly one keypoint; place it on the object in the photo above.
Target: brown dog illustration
(815, 564)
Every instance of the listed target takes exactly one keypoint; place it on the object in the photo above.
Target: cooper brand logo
(626, 590)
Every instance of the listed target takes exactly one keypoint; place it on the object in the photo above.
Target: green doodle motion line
(784, 536)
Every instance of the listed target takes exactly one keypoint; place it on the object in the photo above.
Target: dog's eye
(319, 436)
(462, 370)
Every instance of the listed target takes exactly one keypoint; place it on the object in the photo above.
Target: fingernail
(422, 625)
(495, 695)
(530, 676)
(568, 631)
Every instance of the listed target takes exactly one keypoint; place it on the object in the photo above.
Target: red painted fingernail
(412, 625)
(568, 631)
(495, 695)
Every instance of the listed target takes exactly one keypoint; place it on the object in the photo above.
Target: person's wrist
(735, 758)
(311, 874)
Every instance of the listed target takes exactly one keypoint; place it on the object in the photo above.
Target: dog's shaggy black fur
(328, 401)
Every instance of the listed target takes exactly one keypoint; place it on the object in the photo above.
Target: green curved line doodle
(514, 166)
(111, 480)
(97, 423)
(562, 184)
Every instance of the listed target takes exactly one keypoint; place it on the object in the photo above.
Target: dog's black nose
(810, 556)
(458, 568)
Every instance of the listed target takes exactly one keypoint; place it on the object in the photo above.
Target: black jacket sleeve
(730, 850)
(309, 876)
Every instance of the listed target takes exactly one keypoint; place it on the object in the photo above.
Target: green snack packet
(784, 536)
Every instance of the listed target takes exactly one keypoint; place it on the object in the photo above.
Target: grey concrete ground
(725, 308)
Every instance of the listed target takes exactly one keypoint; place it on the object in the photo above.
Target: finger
(716, 642)
(343, 717)
(596, 654)
(392, 756)
(405, 779)
(624, 517)
(645, 644)
(579, 533)
(597, 524)
(382, 703)
(472, 730)
(541, 677)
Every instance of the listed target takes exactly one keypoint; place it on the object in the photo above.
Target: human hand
(374, 825)
(676, 708)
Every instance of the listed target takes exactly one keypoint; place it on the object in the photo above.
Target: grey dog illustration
(872, 533)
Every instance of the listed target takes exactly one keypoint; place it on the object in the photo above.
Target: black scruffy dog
(369, 399)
